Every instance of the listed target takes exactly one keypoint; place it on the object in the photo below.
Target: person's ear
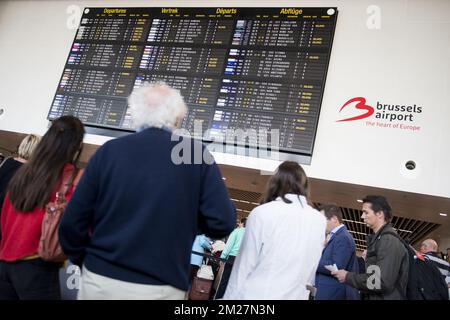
(380, 214)
(178, 123)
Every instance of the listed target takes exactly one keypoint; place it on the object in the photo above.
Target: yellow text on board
(106, 10)
(169, 10)
(291, 11)
(226, 11)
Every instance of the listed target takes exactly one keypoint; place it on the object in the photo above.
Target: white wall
(406, 61)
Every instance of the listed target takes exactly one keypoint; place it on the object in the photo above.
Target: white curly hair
(156, 105)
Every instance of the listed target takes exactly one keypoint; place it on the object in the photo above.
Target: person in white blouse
(282, 244)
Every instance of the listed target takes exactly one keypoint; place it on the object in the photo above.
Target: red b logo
(360, 105)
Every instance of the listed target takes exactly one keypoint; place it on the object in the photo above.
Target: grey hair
(156, 105)
(28, 145)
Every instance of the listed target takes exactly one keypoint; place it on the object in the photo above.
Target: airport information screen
(237, 68)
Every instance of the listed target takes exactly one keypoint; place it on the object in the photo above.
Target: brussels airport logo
(394, 116)
(360, 105)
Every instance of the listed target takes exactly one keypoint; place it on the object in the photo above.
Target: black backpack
(425, 281)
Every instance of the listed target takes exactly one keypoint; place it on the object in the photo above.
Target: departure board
(236, 68)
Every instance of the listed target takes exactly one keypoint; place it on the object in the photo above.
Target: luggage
(202, 284)
(201, 289)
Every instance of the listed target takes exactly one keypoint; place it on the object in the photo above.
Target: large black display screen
(237, 68)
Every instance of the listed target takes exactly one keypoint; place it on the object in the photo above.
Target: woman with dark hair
(282, 244)
(23, 274)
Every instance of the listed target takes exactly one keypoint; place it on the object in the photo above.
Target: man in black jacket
(386, 274)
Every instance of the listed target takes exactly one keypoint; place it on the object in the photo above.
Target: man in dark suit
(340, 249)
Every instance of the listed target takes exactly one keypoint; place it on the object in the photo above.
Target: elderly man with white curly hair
(135, 213)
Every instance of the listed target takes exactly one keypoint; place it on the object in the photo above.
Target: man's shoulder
(393, 242)
(344, 236)
(106, 147)
(129, 139)
(11, 163)
(343, 233)
(435, 258)
(113, 147)
(390, 236)
(389, 232)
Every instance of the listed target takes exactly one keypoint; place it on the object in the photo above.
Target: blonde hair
(28, 145)
(156, 105)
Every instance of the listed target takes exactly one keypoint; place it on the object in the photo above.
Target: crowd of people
(134, 217)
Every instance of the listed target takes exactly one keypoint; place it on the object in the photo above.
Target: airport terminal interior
(356, 92)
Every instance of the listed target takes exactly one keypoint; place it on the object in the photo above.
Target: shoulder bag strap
(4, 160)
(67, 182)
(77, 177)
(410, 249)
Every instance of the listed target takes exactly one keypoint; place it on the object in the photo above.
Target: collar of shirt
(293, 197)
(336, 229)
(431, 253)
(144, 127)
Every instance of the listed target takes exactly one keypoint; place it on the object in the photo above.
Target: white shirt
(280, 251)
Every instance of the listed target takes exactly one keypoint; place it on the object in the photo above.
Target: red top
(21, 232)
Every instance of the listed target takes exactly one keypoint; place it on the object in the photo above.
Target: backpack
(425, 281)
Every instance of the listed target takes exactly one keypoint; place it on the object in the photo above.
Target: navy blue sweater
(134, 214)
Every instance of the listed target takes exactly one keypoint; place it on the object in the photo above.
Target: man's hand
(340, 275)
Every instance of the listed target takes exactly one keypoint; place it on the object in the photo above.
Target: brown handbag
(49, 246)
(201, 289)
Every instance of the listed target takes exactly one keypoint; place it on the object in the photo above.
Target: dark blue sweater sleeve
(217, 217)
(76, 220)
